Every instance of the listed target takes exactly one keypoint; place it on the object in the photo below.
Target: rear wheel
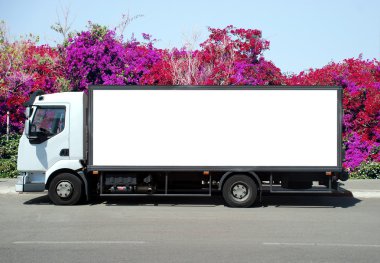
(65, 189)
(240, 191)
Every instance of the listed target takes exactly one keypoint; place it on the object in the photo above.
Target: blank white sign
(215, 127)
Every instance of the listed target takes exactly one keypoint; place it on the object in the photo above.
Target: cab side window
(48, 121)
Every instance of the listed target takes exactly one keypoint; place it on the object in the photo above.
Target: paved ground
(282, 229)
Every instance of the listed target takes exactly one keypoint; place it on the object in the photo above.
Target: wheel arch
(79, 174)
(251, 174)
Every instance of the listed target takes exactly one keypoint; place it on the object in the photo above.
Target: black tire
(65, 189)
(239, 191)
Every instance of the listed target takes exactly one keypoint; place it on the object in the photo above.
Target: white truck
(182, 141)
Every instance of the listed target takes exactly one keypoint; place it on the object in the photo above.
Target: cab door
(48, 140)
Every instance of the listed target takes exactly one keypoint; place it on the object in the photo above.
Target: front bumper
(30, 182)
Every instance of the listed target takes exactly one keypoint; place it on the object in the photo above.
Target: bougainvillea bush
(360, 80)
(24, 68)
(98, 56)
(229, 56)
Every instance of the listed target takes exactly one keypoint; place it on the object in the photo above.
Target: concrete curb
(7, 191)
(366, 194)
(363, 188)
(7, 186)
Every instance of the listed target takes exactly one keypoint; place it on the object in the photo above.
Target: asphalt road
(282, 229)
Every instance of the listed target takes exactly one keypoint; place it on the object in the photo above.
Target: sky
(303, 33)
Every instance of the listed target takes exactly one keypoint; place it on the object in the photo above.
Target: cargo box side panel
(214, 128)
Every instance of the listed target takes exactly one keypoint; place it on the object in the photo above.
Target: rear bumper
(30, 182)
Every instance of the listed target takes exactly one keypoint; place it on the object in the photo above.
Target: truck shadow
(302, 201)
(278, 201)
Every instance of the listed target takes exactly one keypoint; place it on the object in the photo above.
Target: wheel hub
(239, 191)
(64, 189)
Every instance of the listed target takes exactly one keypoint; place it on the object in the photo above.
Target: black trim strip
(90, 125)
(340, 128)
(217, 168)
(32, 98)
(176, 195)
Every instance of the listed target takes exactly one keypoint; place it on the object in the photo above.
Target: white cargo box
(215, 128)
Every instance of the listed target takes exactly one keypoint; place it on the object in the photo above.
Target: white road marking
(320, 244)
(75, 242)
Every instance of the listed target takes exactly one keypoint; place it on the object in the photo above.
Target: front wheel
(240, 191)
(65, 189)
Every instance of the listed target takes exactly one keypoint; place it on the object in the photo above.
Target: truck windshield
(49, 121)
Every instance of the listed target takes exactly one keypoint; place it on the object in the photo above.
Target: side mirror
(30, 130)
(27, 126)
(27, 113)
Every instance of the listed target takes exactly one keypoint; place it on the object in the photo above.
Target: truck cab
(52, 142)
